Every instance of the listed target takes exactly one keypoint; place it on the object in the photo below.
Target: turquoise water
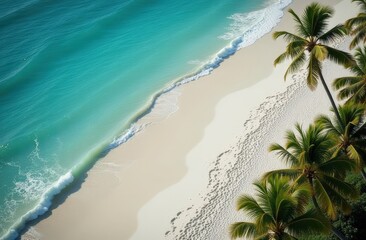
(74, 75)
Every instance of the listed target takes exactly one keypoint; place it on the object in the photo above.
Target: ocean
(75, 75)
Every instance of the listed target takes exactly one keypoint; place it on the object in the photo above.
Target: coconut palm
(307, 154)
(311, 45)
(349, 134)
(353, 88)
(278, 212)
(357, 25)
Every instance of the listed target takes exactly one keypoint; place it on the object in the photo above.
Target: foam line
(41, 208)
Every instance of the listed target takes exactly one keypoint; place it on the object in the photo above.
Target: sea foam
(41, 208)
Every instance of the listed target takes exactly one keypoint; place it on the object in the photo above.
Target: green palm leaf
(281, 206)
(333, 34)
(356, 155)
(359, 36)
(249, 205)
(357, 25)
(325, 122)
(314, 70)
(341, 187)
(299, 24)
(296, 64)
(242, 229)
(291, 173)
(336, 165)
(337, 200)
(324, 199)
(340, 57)
(361, 3)
(320, 52)
(311, 222)
(315, 18)
(344, 81)
(283, 154)
(289, 37)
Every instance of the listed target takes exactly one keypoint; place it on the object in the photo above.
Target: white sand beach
(179, 178)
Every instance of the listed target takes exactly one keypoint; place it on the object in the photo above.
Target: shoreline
(107, 182)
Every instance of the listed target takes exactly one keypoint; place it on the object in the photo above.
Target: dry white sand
(179, 178)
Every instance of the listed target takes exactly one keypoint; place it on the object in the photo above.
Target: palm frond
(249, 205)
(314, 69)
(320, 52)
(287, 36)
(291, 173)
(285, 208)
(312, 222)
(338, 202)
(346, 81)
(299, 24)
(324, 200)
(292, 140)
(342, 188)
(361, 3)
(340, 57)
(336, 165)
(301, 193)
(355, 93)
(242, 229)
(326, 123)
(296, 64)
(333, 34)
(357, 27)
(293, 49)
(359, 36)
(315, 18)
(284, 154)
(356, 155)
(281, 58)
(353, 22)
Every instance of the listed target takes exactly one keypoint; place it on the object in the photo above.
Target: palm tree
(311, 163)
(278, 212)
(353, 88)
(349, 134)
(357, 25)
(311, 45)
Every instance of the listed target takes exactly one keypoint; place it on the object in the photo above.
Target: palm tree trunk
(316, 205)
(335, 231)
(338, 234)
(313, 198)
(330, 97)
(363, 173)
